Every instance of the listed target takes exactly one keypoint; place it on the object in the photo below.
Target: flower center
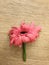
(23, 32)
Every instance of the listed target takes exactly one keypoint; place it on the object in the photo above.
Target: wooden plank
(12, 13)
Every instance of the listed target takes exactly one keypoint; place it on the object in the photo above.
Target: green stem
(24, 51)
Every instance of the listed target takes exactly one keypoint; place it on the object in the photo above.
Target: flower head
(24, 33)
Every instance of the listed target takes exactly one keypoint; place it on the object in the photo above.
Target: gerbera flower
(23, 34)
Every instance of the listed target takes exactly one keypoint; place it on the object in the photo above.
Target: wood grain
(12, 13)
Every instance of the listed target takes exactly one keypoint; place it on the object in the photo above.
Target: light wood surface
(12, 13)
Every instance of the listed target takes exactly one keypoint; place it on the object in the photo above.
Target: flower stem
(24, 51)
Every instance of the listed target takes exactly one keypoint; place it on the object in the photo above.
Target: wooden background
(12, 13)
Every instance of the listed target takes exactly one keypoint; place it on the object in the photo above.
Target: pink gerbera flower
(23, 34)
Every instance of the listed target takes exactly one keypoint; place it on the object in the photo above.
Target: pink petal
(11, 41)
(18, 41)
(32, 27)
(14, 30)
(25, 27)
(25, 39)
(32, 36)
(13, 35)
